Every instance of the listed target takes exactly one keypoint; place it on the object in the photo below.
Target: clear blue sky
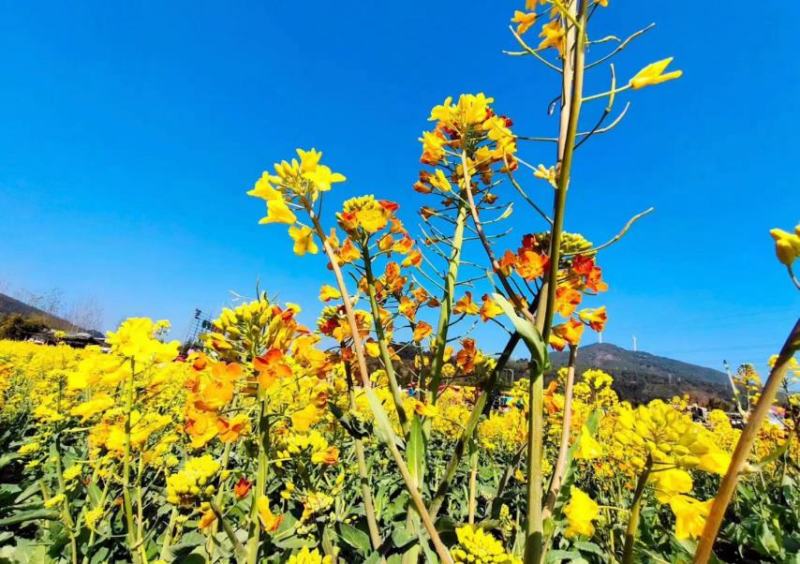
(130, 133)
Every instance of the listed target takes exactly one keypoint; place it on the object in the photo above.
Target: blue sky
(131, 132)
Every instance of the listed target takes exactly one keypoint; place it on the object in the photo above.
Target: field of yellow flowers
(374, 436)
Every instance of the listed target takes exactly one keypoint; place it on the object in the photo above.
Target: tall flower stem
(453, 264)
(381, 419)
(563, 447)
(473, 487)
(535, 531)
(383, 345)
(469, 428)
(363, 475)
(572, 90)
(745, 445)
(254, 535)
(636, 509)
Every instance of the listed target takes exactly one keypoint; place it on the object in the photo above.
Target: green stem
(636, 508)
(448, 297)
(535, 530)
(168, 534)
(745, 444)
(473, 487)
(238, 547)
(572, 88)
(363, 474)
(386, 356)
(381, 418)
(254, 535)
(469, 427)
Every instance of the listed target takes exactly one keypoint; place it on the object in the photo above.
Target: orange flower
(421, 331)
(328, 457)
(200, 362)
(386, 242)
(567, 299)
(328, 293)
(568, 333)
(594, 318)
(348, 253)
(270, 367)
(594, 281)
(489, 309)
(408, 308)
(552, 36)
(523, 20)
(413, 259)
(531, 265)
(508, 263)
(465, 358)
(403, 246)
(231, 429)
(582, 265)
(466, 305)
(242, 488)
(269, 521)
(206, 520)
(549, 398)
(201, 426)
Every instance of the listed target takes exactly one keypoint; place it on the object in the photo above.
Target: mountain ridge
(641, 376)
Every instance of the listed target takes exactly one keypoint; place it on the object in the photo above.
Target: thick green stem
(240, 550)
(535, 531)
(363, 475)
(254, 535)
(453, 263)
(169, 534)
(473, 487)
(572, 90)
(636, 509)
(469, 428)
(563, 448)
(386, 356)
(745, 444)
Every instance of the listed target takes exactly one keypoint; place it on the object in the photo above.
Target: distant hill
(9, 306)
(641, 376)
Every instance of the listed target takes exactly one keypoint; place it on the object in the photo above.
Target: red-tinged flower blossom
(568, 333)
(465, 358)
(567, 299)
(582, 265)
(594, 318)
(242, 487)
(531, 265)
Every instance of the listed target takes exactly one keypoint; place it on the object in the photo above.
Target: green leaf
(415, 451)
(383, 427)
(356, 538)
(24, 517)
(528, 332)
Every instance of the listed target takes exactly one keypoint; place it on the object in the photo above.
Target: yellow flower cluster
(476, 546)
(192, 481)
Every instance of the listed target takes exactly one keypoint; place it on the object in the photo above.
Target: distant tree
(18, 327)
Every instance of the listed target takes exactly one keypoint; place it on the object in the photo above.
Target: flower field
(383, 432)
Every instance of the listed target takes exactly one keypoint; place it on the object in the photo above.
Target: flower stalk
(745, 444)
